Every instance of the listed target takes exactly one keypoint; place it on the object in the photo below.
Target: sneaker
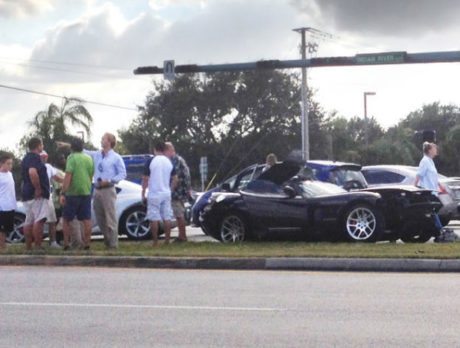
(446, 235)
(55, 245)
(87, 248)
(67, 247)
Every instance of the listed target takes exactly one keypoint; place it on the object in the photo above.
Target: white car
(130, 214)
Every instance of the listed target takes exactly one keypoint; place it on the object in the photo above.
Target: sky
(89, 48)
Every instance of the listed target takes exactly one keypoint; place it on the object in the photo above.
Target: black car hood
(280, 172)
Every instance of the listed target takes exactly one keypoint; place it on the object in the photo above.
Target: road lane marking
(109, 305)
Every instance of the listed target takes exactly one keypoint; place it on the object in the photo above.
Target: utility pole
(312, 48)
(304, 117)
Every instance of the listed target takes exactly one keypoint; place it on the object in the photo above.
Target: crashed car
(284, 203)
(449, 188)
(232, 184)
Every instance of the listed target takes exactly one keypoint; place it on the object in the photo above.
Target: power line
(65, 63)
(58, 69)
(59, 96)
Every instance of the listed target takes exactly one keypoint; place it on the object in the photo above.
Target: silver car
(449, 188)
(131, 215)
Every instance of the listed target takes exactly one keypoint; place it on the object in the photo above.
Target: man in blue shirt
(109, 170)
(35, 194)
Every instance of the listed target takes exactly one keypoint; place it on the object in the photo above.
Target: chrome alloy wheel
(137, 226)
(232, 229)
(361, 223)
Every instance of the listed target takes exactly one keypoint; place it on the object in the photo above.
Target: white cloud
(160, 4)
(93, 55)
(24, 8)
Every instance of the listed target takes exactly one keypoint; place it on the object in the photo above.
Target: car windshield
(318, 188)
(341, 176)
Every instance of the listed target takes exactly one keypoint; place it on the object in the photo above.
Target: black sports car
(283, 202)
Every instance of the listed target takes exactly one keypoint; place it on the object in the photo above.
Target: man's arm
(174, 182)
(145, 184)
(35, 180)
(65, 187)
(417, 180)
(66, 182)
(62, 144)
(120, 169)
(58, 179)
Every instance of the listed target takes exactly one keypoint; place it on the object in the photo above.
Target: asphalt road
(97, 307)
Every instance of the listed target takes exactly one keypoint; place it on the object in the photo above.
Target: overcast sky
(88, 49)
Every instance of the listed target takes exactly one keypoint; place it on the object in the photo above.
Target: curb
(281, 264)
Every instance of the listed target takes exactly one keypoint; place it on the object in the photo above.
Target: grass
(263, 249)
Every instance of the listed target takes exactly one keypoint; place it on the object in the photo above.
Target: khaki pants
(106, 215)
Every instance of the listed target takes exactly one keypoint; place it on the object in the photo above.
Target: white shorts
(159, 208)
(51, 218)
(36, 210)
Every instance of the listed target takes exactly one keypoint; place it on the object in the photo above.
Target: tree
(235, 119)
(54, 123)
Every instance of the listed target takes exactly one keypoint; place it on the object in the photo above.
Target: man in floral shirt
(181, 188)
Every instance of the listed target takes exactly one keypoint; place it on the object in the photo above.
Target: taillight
(442, 190)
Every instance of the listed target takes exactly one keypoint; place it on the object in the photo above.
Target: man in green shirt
(76, 192)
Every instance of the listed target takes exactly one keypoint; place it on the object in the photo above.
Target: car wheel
(134, 224)
(363, 224)
(233, 229)
(17, 235)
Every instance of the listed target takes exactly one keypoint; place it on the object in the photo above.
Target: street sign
(381, 58)
(203, 171)
(168, 69)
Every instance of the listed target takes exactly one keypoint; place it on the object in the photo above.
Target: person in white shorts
(51, 219)
(159, 195)
(35, 194)
(8, 198)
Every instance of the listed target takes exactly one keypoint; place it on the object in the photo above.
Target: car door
(273, 211)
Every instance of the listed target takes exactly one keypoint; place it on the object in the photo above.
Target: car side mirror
(289, 191)
(225, 187)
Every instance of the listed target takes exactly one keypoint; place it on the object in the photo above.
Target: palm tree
(57, 119)
(53, 123)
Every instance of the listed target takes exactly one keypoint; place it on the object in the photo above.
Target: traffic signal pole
(384, 58)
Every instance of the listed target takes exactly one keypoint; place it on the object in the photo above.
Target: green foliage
(239, 117)
(53, 124)
(236, 119)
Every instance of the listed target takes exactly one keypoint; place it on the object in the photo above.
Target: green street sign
(381, 58)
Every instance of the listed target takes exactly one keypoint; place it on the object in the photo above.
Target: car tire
(134, 223)
(233, 228)
(362, 223)
(17, 235)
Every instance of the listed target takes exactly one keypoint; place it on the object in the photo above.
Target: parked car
(231, 184)
(282, 203)
(135, 166)
(346, 175)
(131, 215)
(449, 188)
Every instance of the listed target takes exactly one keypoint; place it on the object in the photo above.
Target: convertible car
(285, 203)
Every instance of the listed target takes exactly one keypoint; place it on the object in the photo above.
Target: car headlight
(220, 198)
